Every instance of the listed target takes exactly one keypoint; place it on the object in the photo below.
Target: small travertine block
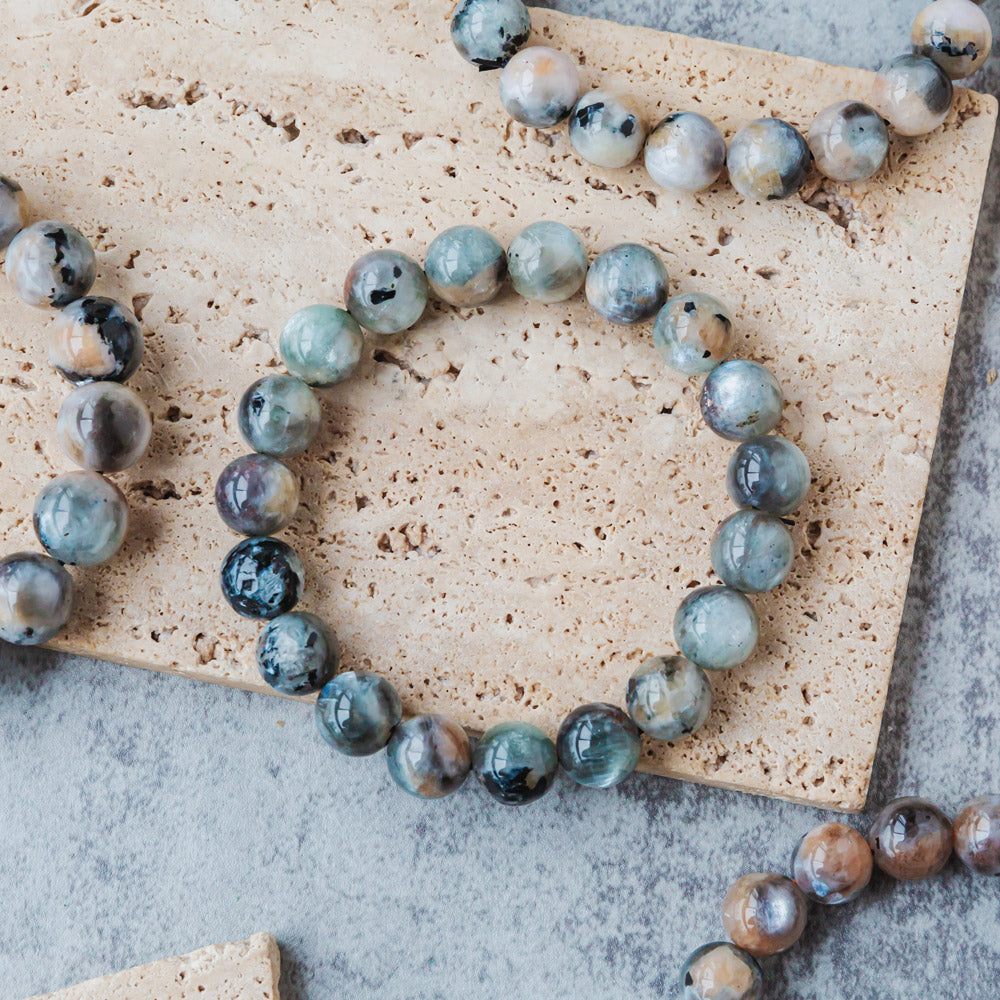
(504, 507)
(244, 970)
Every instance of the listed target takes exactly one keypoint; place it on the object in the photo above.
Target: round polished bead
(685, 152)
(716, 627)
(669, 697)
(598, 745)
(693, 333)
(488, 33)
(832, 863)
(768, 160)
(36, 598)
(429, 756)
(386, 291)
(741, 400)
(548, 262)
(81, 518)
(764, 913)
(50, 264)
(466, 266)
(752, 552)
(297, 654)
(516, 763)
(262, 578)
(256, 495)
(539, 86)
(606, 130)
(627, 284)
(977, 835)
(849, 141)
(13, 210)
(768, 474)
(721, 971)
(104, 426)
(913, 93)
(357, 711)
(956, 34)
(279, 415)
(321, 345)
(911, 839)
(95, 339)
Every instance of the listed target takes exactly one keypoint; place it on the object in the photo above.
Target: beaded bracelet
(716, 627)
(767, 159)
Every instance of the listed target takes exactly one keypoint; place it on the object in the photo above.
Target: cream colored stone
(503, 510)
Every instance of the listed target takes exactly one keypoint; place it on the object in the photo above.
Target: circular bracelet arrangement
(767, 159)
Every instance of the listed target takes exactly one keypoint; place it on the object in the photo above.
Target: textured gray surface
(143, 815)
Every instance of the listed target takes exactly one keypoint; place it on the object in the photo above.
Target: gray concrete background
(142, 816)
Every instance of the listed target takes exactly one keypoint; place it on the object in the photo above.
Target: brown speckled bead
(977, 835)
(832, 863)
(764, 913)
(911, 839)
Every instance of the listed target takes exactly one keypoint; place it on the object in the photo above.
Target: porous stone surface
(505, 506)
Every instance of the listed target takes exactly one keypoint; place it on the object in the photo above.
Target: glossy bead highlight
(752, 552)
(36, 598)
(849, 141)
(262, 578)
(693, 333)
(279, 415)
(487, 33)
(716, 627)
(911, 839)
(606, 130)
(321, 345)
(721, 971)
(741, 400)
(832, 863)
(768, 160)
(956, 34)
(357, 711)
(669, 697)
(627, 284)
(768, 474)
(548, 262)
(429, 756)
(913, 93)
(256, 495)
(598, 745)
(539, 86)
(386, 291)
(104, 426)
(977, 835)
(764, 913)
(95, 339)
(685, 152)
(297, 653)
(466, 266)
(50, 264)
(515, 762)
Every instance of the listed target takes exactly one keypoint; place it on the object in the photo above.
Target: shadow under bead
(977, 835)
(913, 93)
(627, 284)
(50, 264)
(911, 839)
(466, 266)
(956, 34)
(386, 291)
(769, 474)
(741, 400)
(693, 333)
(36, 598)
(547, 262)
(768, 160)
(685, 152)
(95, 339)
(598, 745)
(297, 654)
(849, 141)
(262, 578)
(104, 427)
(606, 131)
(716, 627)
(487, 33)
(429, 756)
(13, 210)
(256, 495)
(321, 345)
(516, 762)
(832, 863)
(539, 86)
(721, 971)
(764, 913)
(357, 711)
(279, 415)
(668, 697)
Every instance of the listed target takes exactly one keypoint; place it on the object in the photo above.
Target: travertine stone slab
(244, 970)
(506, 506)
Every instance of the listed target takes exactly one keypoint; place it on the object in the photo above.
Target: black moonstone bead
(262, 578)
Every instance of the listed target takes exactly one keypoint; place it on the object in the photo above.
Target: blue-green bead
(386, 291)
(297, 654)
(322, 345)
(516, 762)
(81, 518)
(768, 160)
(279, 415)
(36, 598)
(429, 756)
(50, 264)
(669, 697)
(488, 33)
(262, 578)
(768, 474)
(693, 333)
(357, 712)
(466, 266)
(548, 262)
(627, 284)
(716, 627)
(752, 552)
(741, 400)
(721, 971)
(598, 745)
(256, 495)
(605, 130)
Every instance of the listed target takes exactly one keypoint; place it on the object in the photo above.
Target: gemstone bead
(36, 598)
(466, 266)
(627, 284)
(693, 333)
(605, 130)
(548, 262)
(516, 763)
(721, 971)
(977, 835)
(357, 711)
(669, 697)
(913, 93)
(598, 745)
(297, 654)
(429, 756)
(539, 86)
(752, 552)
(13, 210)
(256, 495)
(764, 913)
(832, 863)
(716, 627)
(741, 400)
(262, 578)
(489, 32)
(768, 160)
(104, 426)
(81, 518)
(849, 141)
(95, 339)
(911, 839)
(50, 264)
(685, 152)
(386, 291)
(279, 415)
(321, 345)
(956, 34)
(768, 474)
